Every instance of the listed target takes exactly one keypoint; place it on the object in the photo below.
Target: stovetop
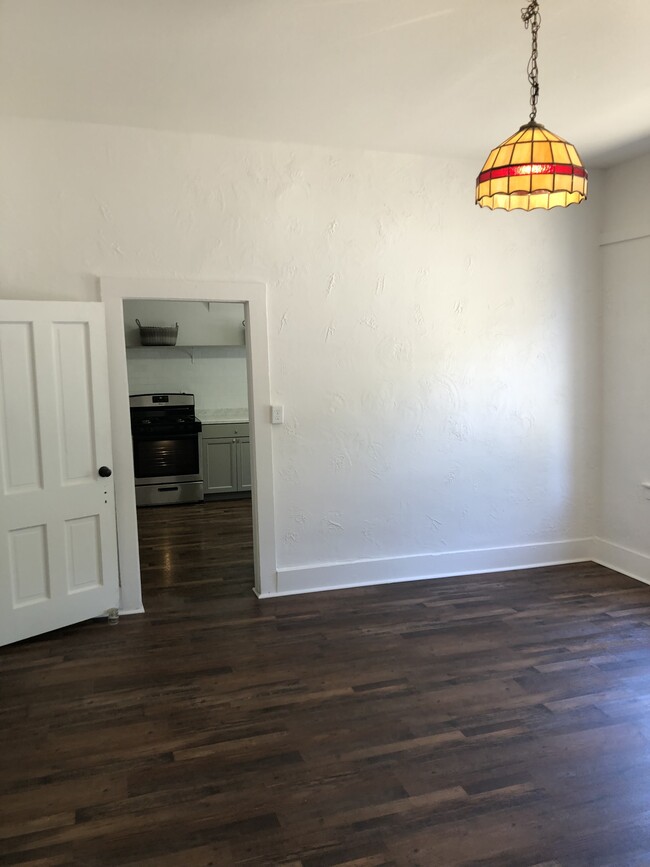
(163, 413)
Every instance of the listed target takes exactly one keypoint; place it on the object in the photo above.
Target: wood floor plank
(493, 720)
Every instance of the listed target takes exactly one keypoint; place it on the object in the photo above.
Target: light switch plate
(277, 415)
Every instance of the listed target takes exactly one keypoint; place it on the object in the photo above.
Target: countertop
(236, 415)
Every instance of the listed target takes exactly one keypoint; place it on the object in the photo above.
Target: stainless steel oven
(166, 439)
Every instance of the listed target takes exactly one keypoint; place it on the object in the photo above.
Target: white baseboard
(124, 612)
(630, 563)
(419, 567)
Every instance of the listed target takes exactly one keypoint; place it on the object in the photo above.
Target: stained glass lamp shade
(534, 168)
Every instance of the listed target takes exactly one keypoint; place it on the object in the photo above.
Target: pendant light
(534, 168)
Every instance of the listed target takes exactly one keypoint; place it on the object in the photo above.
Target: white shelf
(199, 323)
(221, 351)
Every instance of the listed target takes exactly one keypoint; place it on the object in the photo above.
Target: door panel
(58, 547)
(28, 565)
(72, 371)
(84, 550)
(19, 446)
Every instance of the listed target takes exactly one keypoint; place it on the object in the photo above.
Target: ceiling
(442, 77)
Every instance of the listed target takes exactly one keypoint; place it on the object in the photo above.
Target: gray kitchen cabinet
(226, 458)
(219, 465)
(244, 465)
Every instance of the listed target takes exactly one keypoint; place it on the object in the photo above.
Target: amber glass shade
(534, 168)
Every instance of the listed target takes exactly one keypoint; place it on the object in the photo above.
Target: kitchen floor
(203, 550)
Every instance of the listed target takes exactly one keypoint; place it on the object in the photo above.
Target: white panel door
(58, 544)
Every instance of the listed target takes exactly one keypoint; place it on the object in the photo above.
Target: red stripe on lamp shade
(532, 169)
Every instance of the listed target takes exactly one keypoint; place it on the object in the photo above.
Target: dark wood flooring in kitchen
(495, 720)
(203, 549)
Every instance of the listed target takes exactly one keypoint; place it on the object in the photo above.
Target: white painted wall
(215, 376)
(208, 361)
(199, 323)
(436, 361)
(625, 517)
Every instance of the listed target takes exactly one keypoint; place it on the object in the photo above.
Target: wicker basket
(158, 335)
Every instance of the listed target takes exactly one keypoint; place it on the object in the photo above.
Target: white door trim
(114, 291)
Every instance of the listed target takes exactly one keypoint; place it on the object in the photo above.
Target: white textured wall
(625, 519)
(436, 361)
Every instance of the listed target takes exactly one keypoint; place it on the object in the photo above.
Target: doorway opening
(234, 525)
(188, 397)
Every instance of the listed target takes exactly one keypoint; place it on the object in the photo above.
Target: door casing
(253, 295)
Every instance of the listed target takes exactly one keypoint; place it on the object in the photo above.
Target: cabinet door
(244, 464)
(219, 466)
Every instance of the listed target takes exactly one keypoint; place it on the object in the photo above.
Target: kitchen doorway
(196, 552)
(188, 397)
(252, 297)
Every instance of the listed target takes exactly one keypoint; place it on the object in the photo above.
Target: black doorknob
(105, 472)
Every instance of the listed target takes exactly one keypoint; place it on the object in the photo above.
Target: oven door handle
(159, 435)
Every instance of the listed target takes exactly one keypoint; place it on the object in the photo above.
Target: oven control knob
(105, 472)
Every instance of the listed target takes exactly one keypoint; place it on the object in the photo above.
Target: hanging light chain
(532, 18)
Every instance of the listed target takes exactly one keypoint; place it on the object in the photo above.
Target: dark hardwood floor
(500, 720)
(203, 549)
